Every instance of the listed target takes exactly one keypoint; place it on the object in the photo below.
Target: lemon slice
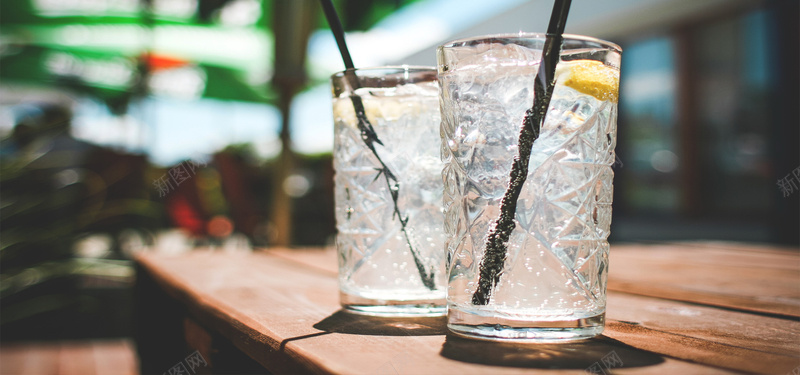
(375, 109)
(387, 108)
(590, 77)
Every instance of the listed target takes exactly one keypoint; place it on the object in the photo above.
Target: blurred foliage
(360, 15)
(68, 44)
(48, 203)
(117, 51)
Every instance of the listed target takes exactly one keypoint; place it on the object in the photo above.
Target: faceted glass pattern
(380, 261)
(557, 260)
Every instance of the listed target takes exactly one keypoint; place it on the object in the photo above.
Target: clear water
(375, 262)
(557, 261)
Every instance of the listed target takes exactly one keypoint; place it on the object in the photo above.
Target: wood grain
(96, 357)
(755, 279)
(281, 308)
(323, 259)
(749, 277)
(717, 337)
(752, 339)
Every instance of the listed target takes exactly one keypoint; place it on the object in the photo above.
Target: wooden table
(79, 357)
(678, 308)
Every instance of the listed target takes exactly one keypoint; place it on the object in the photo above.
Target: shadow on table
(598, 355)
(358, 324)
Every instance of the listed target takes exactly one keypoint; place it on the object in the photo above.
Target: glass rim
(388, 69)
(527, 35)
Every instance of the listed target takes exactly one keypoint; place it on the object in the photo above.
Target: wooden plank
(76, 359)
(760, 333)
(101, 357)
(29, 359)
(722, 338)
(282, 312)
(758, 280)
(323, 259)
(255, 301)
(701, 351)
(717, 254)
(743, 246)
(115, 357)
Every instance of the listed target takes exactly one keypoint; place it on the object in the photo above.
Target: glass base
(498, 328)
(397, 308)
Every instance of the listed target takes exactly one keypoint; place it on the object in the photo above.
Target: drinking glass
(388, 191)
(552, 283)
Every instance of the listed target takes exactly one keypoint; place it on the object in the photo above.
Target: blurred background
(167, 125)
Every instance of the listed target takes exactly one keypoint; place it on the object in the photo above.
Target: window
(708, 123)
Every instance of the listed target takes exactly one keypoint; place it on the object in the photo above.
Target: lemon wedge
(386, 109)
(389, 110)
(589, 77)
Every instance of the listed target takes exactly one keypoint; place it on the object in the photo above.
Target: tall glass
(388, 191)
(552, 285)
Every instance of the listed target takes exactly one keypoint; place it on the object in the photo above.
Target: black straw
(338, 32)
(370, 138)
(491, 266)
